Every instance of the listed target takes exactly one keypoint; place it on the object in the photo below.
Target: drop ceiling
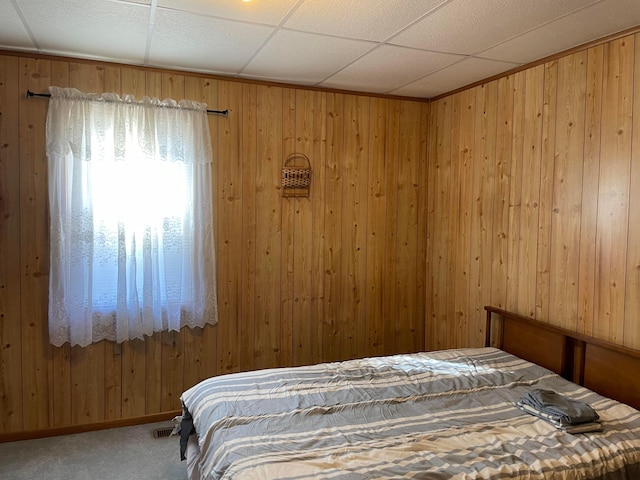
(415, 48)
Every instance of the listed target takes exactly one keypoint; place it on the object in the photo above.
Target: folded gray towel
(584, 427)
(560, 408)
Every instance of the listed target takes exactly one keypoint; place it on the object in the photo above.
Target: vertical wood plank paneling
(333, 227)
(441, 181)
(88, 392)
(351, 231)
(515, 193)
(36, 76)
(454, 224)
(133, 378)
(11, 387)
(561, 228)
(430, 236)
(530, 193)
(354, 226)
(302, 327)
(631, 334)
(462, 238)
(408, 337)
(376, 221)
(423, 209)
(391, 253)
(549, 114)
(229, 247)
(567, 190)
(613, 194)
(501, 206)
(268, 227)
(249, 218)
(484, 183)
(590, 181)
(287, 209)
(476, 212)
(318, 242)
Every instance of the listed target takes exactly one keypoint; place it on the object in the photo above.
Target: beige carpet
(129, 453)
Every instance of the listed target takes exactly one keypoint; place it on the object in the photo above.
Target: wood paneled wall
(335, 276)
(534, 199)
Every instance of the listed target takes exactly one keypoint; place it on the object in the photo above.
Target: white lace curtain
(131, 217)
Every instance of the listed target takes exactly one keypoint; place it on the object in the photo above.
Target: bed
(435, 415)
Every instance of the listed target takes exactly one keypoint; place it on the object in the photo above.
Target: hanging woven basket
(296, 176)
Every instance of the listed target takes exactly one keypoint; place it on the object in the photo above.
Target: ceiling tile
(361, 19)
(463, 73)
(105, 30)
(470, 26)
(269, 12)
(192, 41)
(304, 57)
(388, 68)
(578, 28)
(12, 31)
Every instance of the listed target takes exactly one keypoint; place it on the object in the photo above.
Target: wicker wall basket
(296, 176)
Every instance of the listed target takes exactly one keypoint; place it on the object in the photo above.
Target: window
(131, 217)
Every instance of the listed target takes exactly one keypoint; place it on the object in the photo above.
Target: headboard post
(487, 329)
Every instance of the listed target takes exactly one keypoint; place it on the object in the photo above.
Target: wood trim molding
(88, 427)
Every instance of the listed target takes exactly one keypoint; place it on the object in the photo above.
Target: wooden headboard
(610, 370)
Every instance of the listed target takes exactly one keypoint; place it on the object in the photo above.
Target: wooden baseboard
(88, 427)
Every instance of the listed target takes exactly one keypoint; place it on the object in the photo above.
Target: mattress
(436, 415)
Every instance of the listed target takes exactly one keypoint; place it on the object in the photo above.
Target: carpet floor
(130, 453)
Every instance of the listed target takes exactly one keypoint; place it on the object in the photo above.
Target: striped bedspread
(437, 415)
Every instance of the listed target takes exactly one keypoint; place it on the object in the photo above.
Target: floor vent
(162, 432)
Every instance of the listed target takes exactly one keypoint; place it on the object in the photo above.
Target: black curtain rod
(224, 113)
